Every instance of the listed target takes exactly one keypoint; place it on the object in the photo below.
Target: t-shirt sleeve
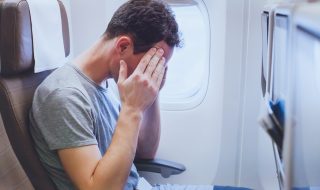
(66, 119)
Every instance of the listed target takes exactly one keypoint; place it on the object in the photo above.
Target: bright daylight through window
(188, 69)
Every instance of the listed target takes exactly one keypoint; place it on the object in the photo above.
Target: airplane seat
(12, 175)
(17, 85)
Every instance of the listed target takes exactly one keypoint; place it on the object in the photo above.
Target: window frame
(196, 98)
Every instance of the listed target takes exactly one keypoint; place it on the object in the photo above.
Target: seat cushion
(16, 94)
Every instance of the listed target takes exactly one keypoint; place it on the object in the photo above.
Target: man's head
(139, 25)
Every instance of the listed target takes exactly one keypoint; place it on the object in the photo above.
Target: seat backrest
(18, 83)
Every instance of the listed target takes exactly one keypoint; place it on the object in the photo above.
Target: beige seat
(17, 85)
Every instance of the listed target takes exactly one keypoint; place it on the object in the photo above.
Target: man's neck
(95, 62)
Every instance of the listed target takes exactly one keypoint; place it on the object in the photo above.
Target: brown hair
(146, 22)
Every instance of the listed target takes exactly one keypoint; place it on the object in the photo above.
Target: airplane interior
(240, 103)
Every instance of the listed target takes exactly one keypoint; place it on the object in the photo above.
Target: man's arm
(88, 170)
(149, 135)
(85, 165)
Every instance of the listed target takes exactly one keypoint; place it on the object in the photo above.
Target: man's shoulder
(63, 82)
(64, 76)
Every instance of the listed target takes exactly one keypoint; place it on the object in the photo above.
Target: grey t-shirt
(69, 110)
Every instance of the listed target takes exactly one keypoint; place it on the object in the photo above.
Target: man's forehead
(163, 45)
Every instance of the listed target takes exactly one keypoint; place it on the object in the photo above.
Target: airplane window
(188, 69)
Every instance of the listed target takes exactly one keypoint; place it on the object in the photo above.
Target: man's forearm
(149, 135)
(115, 165)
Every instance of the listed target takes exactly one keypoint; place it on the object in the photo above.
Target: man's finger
(159, 69)
(145, 60)
(154, 62)
(123, 71)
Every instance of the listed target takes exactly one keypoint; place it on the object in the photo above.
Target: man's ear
(124, 45)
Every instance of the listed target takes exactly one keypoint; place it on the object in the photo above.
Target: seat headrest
(16, 47)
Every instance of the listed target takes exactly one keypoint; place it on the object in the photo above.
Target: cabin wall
(246, 152)
(256, 162)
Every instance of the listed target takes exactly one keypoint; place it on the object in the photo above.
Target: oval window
(188, 69)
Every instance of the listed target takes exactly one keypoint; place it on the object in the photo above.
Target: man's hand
(140, 90)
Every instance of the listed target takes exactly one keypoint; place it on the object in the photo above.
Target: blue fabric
(278, 109)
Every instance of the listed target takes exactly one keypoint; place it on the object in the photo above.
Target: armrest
(164, 167)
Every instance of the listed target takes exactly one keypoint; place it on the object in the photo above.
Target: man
(83, 138)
